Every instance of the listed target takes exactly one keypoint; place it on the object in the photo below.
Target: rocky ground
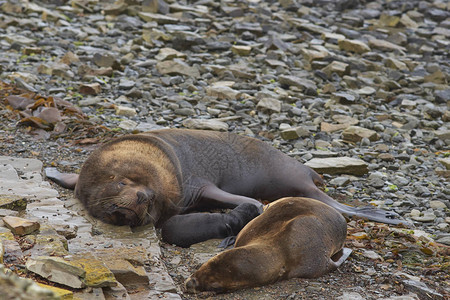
(356, 89)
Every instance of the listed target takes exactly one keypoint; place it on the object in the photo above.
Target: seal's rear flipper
(339, 257)
(66, 180)
(227, 242)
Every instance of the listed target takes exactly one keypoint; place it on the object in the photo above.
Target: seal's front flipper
(185, 230)
(66, 180)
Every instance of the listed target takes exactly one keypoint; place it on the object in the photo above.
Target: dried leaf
(427, 251)
(35, 121)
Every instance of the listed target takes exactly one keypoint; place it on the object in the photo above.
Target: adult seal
(294, 237)
(151, 177)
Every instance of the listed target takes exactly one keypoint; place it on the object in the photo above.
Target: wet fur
(294, 237)
(181, 171)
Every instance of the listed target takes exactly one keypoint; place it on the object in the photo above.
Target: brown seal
(294, 237)
(150, 177)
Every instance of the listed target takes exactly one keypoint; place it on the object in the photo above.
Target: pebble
(20, 226)
(338, 165)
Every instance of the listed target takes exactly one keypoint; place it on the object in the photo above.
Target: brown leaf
(35, 121)
(427, 251)
(66, 105)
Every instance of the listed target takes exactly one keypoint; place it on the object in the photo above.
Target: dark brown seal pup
(150, 177)
(293, 237)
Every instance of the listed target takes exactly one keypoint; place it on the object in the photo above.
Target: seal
(151, 177)
(293, 237)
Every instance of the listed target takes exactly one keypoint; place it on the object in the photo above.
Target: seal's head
(119, 184)
(122, 201)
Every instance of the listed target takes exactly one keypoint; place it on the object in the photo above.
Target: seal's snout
(142, 197)
(191, 284)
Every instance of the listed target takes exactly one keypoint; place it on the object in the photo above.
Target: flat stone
(395, 64)
(406, 21)
(346, 97)
(332, 36)
(168, 54)
(19, 39)
(85, 70)
(337, 67)
(12, 202)
(8, 212)
(22, 164)
(442, 134)
(436, 204)
(420, 288)
(61, 293)
(340, 181)
(275, 63)
(367, 91)
(350, 296)
(269, 104)
(97, 274)
(206, 124)
(356, 134)
(222, 92)
(385, 45)
(425, 217)
(58, 270)
(125, 111)
(314, 55)
(128, 125)
(69, 58)
(445, 162)
(294, 133)
(20, 226)
(15, 287)
(105, 60)
(371, 254)
(241, 50)
(328, 127)
(301, 83)
(158, 18)
(126, 84)
(116, 292)
(388, 20)
(49, 244)
(12, 253)
(126, 273)
(177, 67)
(353, 46)
(344, 119)
(436, 77)
(339, 165)
(90, 89)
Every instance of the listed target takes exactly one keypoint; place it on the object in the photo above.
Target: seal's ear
(66, 180)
